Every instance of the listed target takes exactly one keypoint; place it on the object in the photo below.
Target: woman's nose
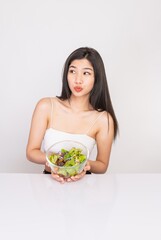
(78, 79)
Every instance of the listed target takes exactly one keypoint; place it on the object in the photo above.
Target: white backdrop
(36, 36)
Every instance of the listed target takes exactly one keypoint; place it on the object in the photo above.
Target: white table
(108, 206)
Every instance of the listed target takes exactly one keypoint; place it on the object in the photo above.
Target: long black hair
(99, 97)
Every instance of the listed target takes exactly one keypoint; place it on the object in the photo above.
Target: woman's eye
(71, 71)
(86, 73)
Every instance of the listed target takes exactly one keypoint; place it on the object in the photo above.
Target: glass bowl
(67, 158)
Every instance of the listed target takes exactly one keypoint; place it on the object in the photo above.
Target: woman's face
(80, 77)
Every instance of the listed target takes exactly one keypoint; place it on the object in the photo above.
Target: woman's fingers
(57, 178)
(87, 167)
(73, 178)
(47, 164)
(78, 176)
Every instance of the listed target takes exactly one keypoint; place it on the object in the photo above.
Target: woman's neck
(79, 104)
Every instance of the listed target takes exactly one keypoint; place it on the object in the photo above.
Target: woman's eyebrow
(72, 66)
(86, 68)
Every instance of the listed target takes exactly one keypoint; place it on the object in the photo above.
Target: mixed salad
(71, 161)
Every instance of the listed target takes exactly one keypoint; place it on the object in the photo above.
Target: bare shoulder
(106, 121)
(43, 104)
(104, 116)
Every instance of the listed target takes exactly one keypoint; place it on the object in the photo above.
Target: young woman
(83, 112)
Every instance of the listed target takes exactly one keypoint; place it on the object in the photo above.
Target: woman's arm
(104, 140)
(39, 125)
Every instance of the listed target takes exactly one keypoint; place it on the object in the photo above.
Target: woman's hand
(80, 175)
(73, 178)
(58, 178)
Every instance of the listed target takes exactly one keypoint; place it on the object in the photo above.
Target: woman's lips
(78, 89)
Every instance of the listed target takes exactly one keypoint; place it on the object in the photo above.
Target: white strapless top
(52, 136)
